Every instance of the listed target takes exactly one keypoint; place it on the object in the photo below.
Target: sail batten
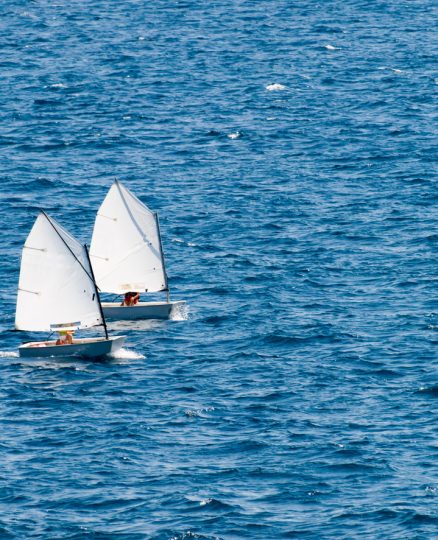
(126, 247)
(55, 282)
(35, 248)
(30, 292)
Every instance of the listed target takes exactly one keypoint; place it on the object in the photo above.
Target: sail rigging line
(68, 247)
(137, 226)
(97, 293)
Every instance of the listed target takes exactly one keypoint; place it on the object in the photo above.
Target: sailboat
(57, 293)
(127, 255)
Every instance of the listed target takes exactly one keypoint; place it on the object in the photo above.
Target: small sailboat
(57, 293)
(127, 256)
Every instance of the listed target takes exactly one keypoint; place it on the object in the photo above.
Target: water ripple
(290, 153)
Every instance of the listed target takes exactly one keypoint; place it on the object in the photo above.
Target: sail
(126, 247)
(55, 290)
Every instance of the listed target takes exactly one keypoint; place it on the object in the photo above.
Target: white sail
(56, 289)
(126, 247)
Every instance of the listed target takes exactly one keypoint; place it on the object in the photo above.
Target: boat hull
(89, 348)
(143, 310)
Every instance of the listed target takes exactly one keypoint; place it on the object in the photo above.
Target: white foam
(127, 354)
(235, 135)
(394, 70)
(9, 354)
(275, 87)
(29, 15)
(180, 312)
(198, 412)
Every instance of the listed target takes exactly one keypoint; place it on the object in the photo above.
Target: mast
(162, 256)
(96, 292)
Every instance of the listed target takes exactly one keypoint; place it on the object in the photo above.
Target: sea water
(290, 150)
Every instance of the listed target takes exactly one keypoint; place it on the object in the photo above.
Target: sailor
(131, 299)
(65, 337)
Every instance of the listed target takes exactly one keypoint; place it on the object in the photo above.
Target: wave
(199, 413)
(180, 312)
(215, 319)
(286, 339)
(394, 70)
(275, 87)
(214, 504)
(55, 86)
(189, 535)
(9, 354)
(429, 390)
(126, 354)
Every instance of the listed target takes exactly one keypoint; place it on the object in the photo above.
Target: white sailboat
(57, 292)
(127, 255)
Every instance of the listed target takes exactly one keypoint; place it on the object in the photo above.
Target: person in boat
(131, 299)
(65, 337)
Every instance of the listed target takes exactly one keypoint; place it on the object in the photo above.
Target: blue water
(290, 150)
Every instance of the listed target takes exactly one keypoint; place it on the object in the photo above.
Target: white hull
(90, 347)
(143, 310)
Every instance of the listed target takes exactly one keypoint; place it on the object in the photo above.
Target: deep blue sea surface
(290, 150)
